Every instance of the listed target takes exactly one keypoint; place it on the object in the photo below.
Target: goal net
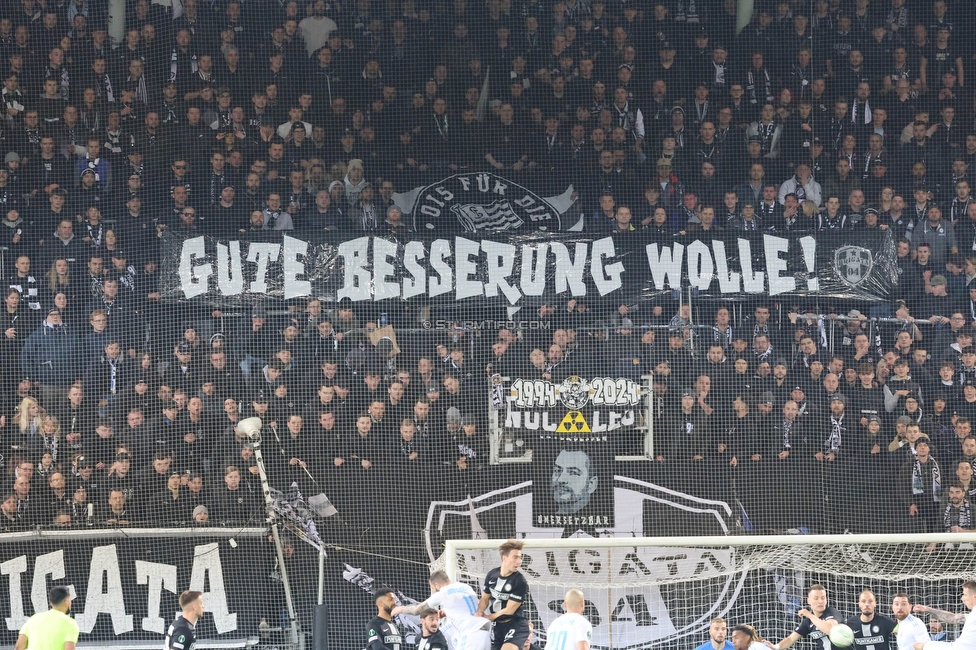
(663, 592)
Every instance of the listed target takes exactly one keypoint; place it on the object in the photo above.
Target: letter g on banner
(194, 279)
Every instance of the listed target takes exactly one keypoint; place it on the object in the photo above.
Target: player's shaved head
(574, 601)
(439, 578)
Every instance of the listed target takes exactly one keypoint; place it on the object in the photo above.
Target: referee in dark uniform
(182, 632)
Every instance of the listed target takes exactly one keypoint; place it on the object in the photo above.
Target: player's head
(867, 602)
(573, 482)
(817, 598)
(430, 620)
(385, 601)
(60, 598)
(511, 552)
(438, 579)
(574, 601)
(743, 635)
(191, 602)
(901, 605)
(969, 593)
(718, 631)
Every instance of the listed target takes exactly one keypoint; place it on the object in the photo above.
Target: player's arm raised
(824, 626)
(950, 618)
(410, 610)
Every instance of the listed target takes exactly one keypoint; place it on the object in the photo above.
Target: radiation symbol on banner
(574, 422)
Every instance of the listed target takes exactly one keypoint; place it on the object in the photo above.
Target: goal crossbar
(452, 546)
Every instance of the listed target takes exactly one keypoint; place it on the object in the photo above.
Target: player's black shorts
(515, 631)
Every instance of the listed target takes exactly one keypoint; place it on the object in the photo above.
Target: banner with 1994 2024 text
(521, 268)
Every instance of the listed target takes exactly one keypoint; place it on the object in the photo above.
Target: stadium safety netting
(561, 270)
(662, 592)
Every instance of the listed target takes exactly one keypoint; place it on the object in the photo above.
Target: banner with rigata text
(128, 588)
(524, 269)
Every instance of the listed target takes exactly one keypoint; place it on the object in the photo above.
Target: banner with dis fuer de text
(516, 268)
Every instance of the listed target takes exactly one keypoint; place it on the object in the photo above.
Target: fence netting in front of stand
(125, 583)
(661, 596)
(558, 269)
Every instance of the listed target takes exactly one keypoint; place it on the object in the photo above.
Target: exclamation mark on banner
(809, 246)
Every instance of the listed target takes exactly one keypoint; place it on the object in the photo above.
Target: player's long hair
(751, 630)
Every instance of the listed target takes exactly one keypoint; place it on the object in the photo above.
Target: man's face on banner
(572, 481)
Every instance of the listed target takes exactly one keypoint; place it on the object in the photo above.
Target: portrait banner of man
(573, 487)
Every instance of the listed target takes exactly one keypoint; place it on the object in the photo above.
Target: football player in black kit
(431, 636)
(382, 633)
(870, 629)
(817, 621)
(182, 632)
(501, 600)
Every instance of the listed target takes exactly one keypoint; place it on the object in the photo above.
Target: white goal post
(662, 592)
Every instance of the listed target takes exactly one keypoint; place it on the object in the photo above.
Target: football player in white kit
(910, 630)
(572, 630)
(458, 602)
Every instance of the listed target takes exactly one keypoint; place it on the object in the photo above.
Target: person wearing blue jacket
(49, 358)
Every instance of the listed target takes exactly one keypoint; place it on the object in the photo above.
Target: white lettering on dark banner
(104, 593)
(459, 268)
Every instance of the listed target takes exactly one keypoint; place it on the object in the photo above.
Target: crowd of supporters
(229, 118)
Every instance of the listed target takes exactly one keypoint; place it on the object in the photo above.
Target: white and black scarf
(722, 338)
(837, 429)
(961, 516)
(787, 430)
(917, 485)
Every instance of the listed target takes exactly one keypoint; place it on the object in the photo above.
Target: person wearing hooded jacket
(354, 182)
(49, 357)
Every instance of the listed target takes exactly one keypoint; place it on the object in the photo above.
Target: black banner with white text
(129, 588)
(516, 269)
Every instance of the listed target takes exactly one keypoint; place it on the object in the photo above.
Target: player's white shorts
(471, 640)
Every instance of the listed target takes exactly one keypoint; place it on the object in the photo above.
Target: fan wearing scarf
(49, 357)
(957, 515)
(920, 487)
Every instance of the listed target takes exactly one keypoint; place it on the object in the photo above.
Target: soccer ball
(841, 636)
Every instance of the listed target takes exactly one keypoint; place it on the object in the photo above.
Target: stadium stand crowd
(229, 118)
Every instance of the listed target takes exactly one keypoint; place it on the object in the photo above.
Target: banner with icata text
(519, 269)
(128, 588)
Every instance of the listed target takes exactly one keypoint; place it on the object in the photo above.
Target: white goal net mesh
(653, 595)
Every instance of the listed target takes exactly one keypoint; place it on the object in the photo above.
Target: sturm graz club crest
(485, 202)
(853, 264)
